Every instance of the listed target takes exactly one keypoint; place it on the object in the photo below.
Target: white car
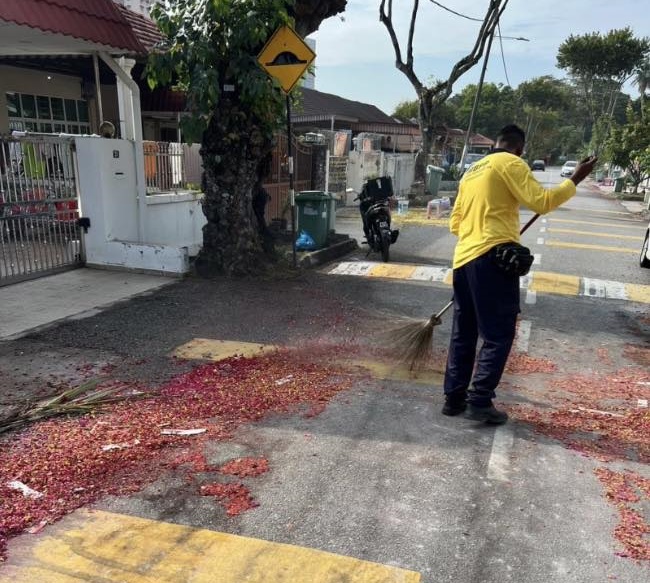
(569, 168)
(644, 259)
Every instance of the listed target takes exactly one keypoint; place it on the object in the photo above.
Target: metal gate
(277, 184)
(39, 207)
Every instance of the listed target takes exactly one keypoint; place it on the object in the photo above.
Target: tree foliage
(600, 64)
(628, 146)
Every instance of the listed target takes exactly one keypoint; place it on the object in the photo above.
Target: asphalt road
(380, 474)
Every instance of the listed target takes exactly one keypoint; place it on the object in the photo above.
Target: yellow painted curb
(392, 271)
(554, 283)
(593, 234)
(208, 349)
(102, 546)
(591, 247)
(638, 293)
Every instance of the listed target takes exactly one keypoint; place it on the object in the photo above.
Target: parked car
(644, 259)
(470, 158)
(538, 165)
(568, 168)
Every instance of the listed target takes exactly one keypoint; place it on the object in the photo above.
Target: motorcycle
(374, 207)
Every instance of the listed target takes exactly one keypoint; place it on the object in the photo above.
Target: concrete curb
(321, 256)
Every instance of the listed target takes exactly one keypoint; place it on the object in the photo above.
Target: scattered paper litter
(183, 431)
(112, 446)
(37, 527)
(284, 380)
(25, 489)
(597, 411)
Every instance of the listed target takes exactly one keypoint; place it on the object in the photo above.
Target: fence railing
(171, 166)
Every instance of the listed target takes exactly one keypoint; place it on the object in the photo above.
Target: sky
(355, 57)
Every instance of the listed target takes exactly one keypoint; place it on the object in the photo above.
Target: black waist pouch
(513, 258)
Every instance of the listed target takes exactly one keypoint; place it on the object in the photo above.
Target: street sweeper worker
(488, 261)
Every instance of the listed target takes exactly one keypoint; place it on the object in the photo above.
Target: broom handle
(436, 317)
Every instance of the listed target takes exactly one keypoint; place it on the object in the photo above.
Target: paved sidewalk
(31, 305)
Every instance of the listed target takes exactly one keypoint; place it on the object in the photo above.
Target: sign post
(285, 57)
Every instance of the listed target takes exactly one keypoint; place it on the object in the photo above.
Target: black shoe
(489, 415)
(453, 408)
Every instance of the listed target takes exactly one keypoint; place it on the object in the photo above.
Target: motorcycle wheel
(384, 244)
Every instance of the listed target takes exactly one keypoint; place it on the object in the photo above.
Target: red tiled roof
(98, 21)
(143, 27)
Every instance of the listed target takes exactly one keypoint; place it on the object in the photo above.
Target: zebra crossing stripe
(533, 283)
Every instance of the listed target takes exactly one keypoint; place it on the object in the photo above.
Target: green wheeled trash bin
(618, 184)
(434, 176)
(313, 209)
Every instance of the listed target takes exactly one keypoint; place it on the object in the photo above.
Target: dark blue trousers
(486, 304)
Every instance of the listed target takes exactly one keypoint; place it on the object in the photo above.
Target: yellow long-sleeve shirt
(486, 211)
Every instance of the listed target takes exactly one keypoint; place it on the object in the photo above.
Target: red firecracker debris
(66, 460)
(245, 467)
(235, 498)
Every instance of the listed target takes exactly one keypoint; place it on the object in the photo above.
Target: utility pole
(478, 93)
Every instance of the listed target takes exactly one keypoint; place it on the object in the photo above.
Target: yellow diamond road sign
(286, 57)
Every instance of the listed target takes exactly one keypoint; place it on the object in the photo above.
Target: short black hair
(512, 135)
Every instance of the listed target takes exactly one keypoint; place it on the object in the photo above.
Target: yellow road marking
(102, 546)
(215, 350)
(386, 371)
(208, 349)
(592, 234)
(392, 270)
(637, 225)
(599, 211)
(638, 293)
(591, 247)
(554, 283)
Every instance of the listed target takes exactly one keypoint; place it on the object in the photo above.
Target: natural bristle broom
(413, 342)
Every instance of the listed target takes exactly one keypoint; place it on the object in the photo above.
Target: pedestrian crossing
(536, 282)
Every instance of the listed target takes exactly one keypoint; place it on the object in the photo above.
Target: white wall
(108, 197)
(365, 165)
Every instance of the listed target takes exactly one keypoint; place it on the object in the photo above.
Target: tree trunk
(427, 129)
(232, 149)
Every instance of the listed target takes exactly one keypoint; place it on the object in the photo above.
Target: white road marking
(531, 297)
(643, 403)
(499, 462)
(540, 240)
(544, 221)
(538, 258)
(599, 288)
(523, 335)
(353, 268)
(426, 273)
(542, 230)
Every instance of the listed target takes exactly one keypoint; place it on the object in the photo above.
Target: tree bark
(232, 150)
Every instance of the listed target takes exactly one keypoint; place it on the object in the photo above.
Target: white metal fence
(172, 167)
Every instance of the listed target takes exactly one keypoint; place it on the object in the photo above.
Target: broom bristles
(413, 342)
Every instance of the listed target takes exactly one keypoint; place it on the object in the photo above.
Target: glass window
(71, 110)
(57, 108)
(43, 104)
(82, 107)
(13, 105)
(29, 106)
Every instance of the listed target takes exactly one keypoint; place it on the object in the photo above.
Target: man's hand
(583, 169)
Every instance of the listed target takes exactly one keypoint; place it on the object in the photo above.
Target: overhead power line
(454, 12)
(503, 58)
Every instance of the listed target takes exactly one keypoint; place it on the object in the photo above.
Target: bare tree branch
(387, 20)
(414, 14)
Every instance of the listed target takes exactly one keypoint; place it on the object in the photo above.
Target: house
(331, 115)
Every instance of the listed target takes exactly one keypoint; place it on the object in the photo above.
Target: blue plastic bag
(304, 242)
